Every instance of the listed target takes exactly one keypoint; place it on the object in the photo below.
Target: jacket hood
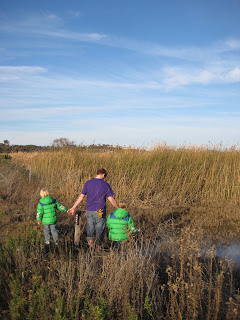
(120, 213)
(47, 200)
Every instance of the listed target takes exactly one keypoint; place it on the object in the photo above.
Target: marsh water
(230, 251)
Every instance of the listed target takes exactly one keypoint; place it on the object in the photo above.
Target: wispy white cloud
(180, 76)
(74, 13)
(58, 112)
(188, 53)
(77, 36)
(233, 75)
(24, 86)
(203, 65)
(10, 73)
(230, 44)
(53, 26)
(170, 77)
(50, 113)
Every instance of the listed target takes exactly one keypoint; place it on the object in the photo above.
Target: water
(231, 251)
(228, 252)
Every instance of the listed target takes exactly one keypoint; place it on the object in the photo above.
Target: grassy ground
(186, 201)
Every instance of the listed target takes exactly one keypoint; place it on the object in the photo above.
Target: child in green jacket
(120, 224)
(46, 212)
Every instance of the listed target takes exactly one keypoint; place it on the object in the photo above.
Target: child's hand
(71, 211)
(39, 222)
(139, 230)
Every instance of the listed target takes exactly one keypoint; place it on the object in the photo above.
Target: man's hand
(71, 211)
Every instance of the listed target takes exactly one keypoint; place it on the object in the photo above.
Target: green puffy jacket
(120, 224)
(46, 210)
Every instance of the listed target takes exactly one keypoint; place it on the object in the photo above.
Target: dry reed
(182, 198)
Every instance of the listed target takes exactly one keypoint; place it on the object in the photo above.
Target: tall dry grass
(167, 279)
(159, 177)
(181, 198)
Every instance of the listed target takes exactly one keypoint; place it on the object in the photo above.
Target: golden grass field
(186, 202)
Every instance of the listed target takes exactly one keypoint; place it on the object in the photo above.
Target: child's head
(122, 204)
(44, 192)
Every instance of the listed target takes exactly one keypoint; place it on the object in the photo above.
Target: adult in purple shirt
(96, 190)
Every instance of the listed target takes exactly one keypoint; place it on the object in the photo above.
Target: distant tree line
(60, 143)
(23, 148)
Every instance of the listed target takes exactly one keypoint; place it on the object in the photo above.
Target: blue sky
(135, 72)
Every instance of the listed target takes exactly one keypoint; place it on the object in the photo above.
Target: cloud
(170, 77)
(189, 53)
(22, 75)
(182, 76)
(49, 113)
(74, 13)
(24, 86)
(230, 45)
(50, 25)
(179, 77)
(51, 17)
(234, 75)
(54, 26)
(17, 72)
(176, 67)
(84, 37)
(138, 106)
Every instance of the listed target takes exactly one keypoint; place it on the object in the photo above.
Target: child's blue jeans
(95, 225)
(54, 233)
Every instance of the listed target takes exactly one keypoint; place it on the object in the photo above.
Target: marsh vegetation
(186, 201)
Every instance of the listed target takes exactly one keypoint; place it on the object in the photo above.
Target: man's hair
(44, 192)
(101, 171)
(123, 204)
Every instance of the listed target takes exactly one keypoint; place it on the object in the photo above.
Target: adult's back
(97, 190)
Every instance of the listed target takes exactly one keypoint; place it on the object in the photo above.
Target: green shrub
(5, 157)
(99, 312)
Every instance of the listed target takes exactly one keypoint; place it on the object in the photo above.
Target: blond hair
(123, 204)
(44, 192)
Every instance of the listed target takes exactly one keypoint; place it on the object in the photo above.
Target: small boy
(46, 212)
(120, 224)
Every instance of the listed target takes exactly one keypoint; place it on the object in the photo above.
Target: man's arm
(79, 200)
(113, 202)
